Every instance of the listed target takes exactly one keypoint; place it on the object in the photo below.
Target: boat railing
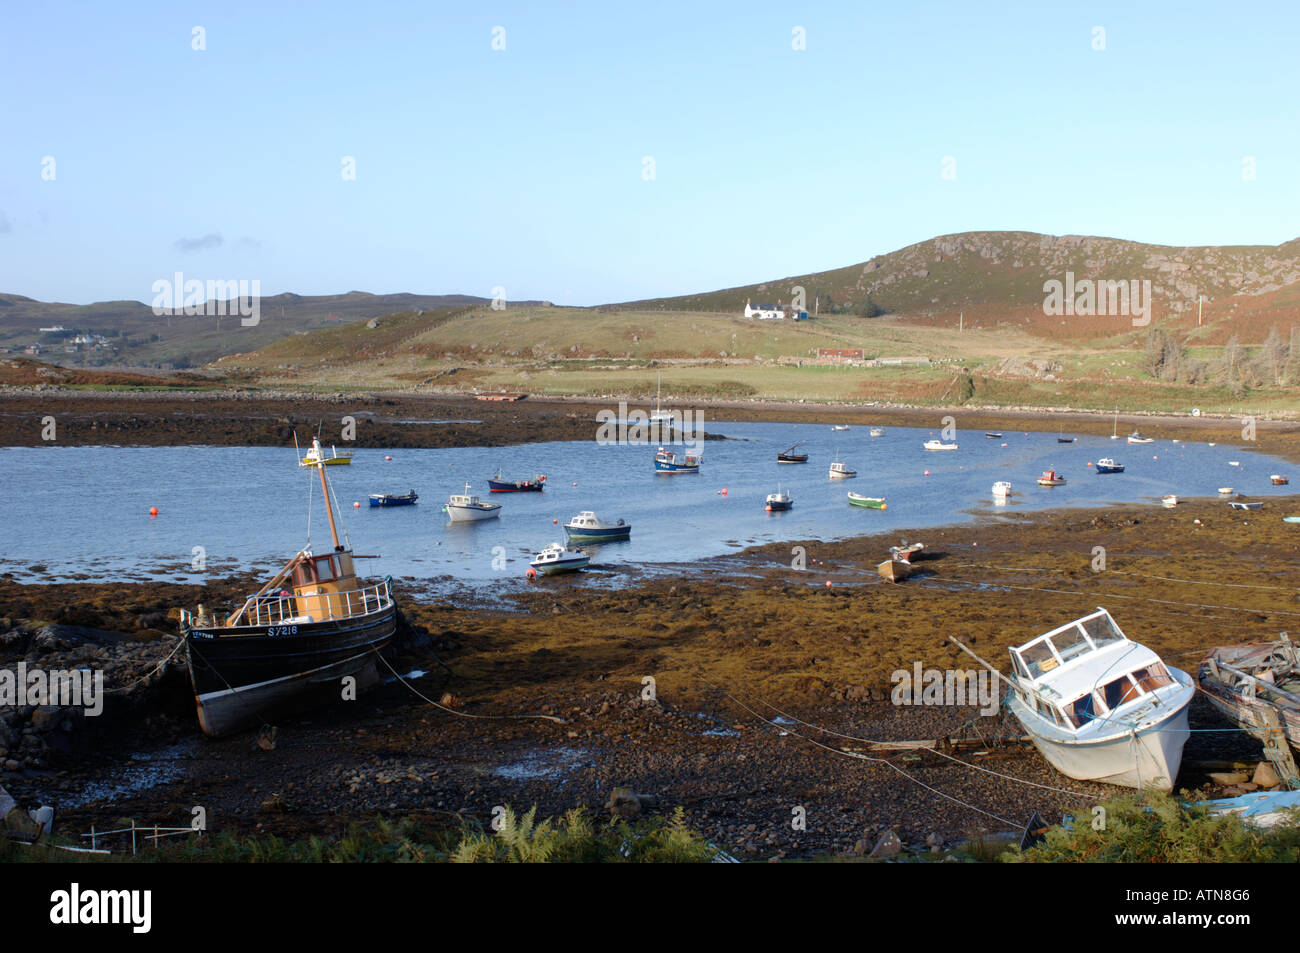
(278, 610)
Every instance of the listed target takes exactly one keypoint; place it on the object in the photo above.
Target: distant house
(773, 312)
(58, 328)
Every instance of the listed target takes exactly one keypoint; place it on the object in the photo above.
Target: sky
(586, 153)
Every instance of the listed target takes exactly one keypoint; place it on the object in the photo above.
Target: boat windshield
(1038, 658)
(1102, 630)
(1070, 643)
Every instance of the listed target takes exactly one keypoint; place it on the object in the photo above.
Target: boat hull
(610, 534)
(559, 568)
(515, 486)
(894, 570)
(470, 514)
(242, 675)
(1148, 759)
(676, 468)
(392, 501)
(1112, 469)
(866, 503)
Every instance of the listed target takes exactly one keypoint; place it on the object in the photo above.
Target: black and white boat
(294, 641)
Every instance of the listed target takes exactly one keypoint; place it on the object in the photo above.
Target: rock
(12, 765)
(1265, 776)
(21, 822)
(888, 846)
(1225, 778)
(45, 717)
(7, 804)
(624, 803)
(266, 737)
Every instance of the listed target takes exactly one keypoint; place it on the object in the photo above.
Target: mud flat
(261, 418)
(733, 645)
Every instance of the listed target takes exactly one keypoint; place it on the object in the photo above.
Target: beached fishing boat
(894, 570)
(466, 508)
(1051, 478)
(789, 456)
(1001, 490)
(497, 485)
(779, 501)
(1256, 687)
(867, 502)
(292, 642)
(841, 471)
(556, 559)
(1100, 707)
(1279, 480)
(394, 499)
(315, 455)
(1136, 437)
(1291, 519)
(1108, 465)
(586, 527)
(939, 445)
(1239, 505)
(1169, 501)
(667, 461)
(877, 431)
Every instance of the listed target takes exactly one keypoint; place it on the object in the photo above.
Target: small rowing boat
(894, 570)
(394, 499)
(867, 502)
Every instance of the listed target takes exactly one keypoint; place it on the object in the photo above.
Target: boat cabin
(1086, 671)
(325, 586)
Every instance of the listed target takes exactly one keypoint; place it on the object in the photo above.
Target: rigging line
(126, 688)
(461, 714)
(942, 754)
(861, 757)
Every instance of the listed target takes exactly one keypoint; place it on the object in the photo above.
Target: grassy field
(701, 356)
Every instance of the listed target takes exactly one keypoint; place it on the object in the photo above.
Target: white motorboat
(877, 431)
(555, 559)
(779, 501)
(1100, 707)
(939, 445)
(465, 508)
(1001, 490)
(587, 527)
(1169, 501)
(841, 471)
(1136, 437)
(840, 427)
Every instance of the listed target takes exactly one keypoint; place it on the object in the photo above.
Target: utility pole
(1199, 303)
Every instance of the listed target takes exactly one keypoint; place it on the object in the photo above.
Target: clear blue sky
(523, 167)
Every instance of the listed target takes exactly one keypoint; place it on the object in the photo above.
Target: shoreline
(759, 632)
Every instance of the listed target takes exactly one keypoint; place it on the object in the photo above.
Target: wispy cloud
(199, 244)
(247, 242)
(5, 227)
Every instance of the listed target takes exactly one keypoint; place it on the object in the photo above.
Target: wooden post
(1278, 749)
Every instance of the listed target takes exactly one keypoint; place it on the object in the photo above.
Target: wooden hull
(243, 675)
(894, 570)
(800, 458)
(1237, 705)
(866, 502)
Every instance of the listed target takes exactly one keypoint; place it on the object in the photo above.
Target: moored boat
(877, 431)
(585, 526)
(1001, 490)
(867, 502)
(315, 455)
(394, 499)
(841, 471)
(1169, 501)
(894, 570)
(993, 434)
(556, 559)
(497, 485)
(1051, 478)
(906, 551)
(292, 642)
(467, 508)
(939, 445)
(1136, 437)
(1100, 707)
(1226, 491)
(789, 456)
(840, 427)
(1239, 505)
(779, 501)
(1108, 465)
(1279, 480)
(667, 461)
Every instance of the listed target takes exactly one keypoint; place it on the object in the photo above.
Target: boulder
(888, 846)
(1265, 776)
(625, 804)
(1227, 778)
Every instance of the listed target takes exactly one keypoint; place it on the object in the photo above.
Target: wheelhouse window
(1070, 643)
(1101, 629)
(1152, 677)
(1118, 691)
(325, 568)
(1082, 710)
(1038, 658)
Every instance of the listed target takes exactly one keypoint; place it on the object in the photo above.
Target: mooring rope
(461, 714)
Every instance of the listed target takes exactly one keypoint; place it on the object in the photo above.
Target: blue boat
(585, 526)
(393, 499)
(666, 461)
(1107, 465)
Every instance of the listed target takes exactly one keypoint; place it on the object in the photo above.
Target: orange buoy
(884, 506)
(829, 583)
(927, 472)
(723, 491)
(153, 511)
(355, 504)
(554, 521)
(388, 458)
(531, 574)
(575, 482)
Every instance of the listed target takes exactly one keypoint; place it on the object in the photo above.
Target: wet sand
(728, 642)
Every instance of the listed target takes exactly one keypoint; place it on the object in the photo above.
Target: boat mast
(325, 490)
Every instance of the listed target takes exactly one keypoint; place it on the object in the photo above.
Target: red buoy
(153, 511)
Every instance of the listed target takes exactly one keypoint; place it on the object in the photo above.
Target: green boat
(868, 502)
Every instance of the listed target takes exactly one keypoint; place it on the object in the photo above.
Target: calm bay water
(85, 510)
